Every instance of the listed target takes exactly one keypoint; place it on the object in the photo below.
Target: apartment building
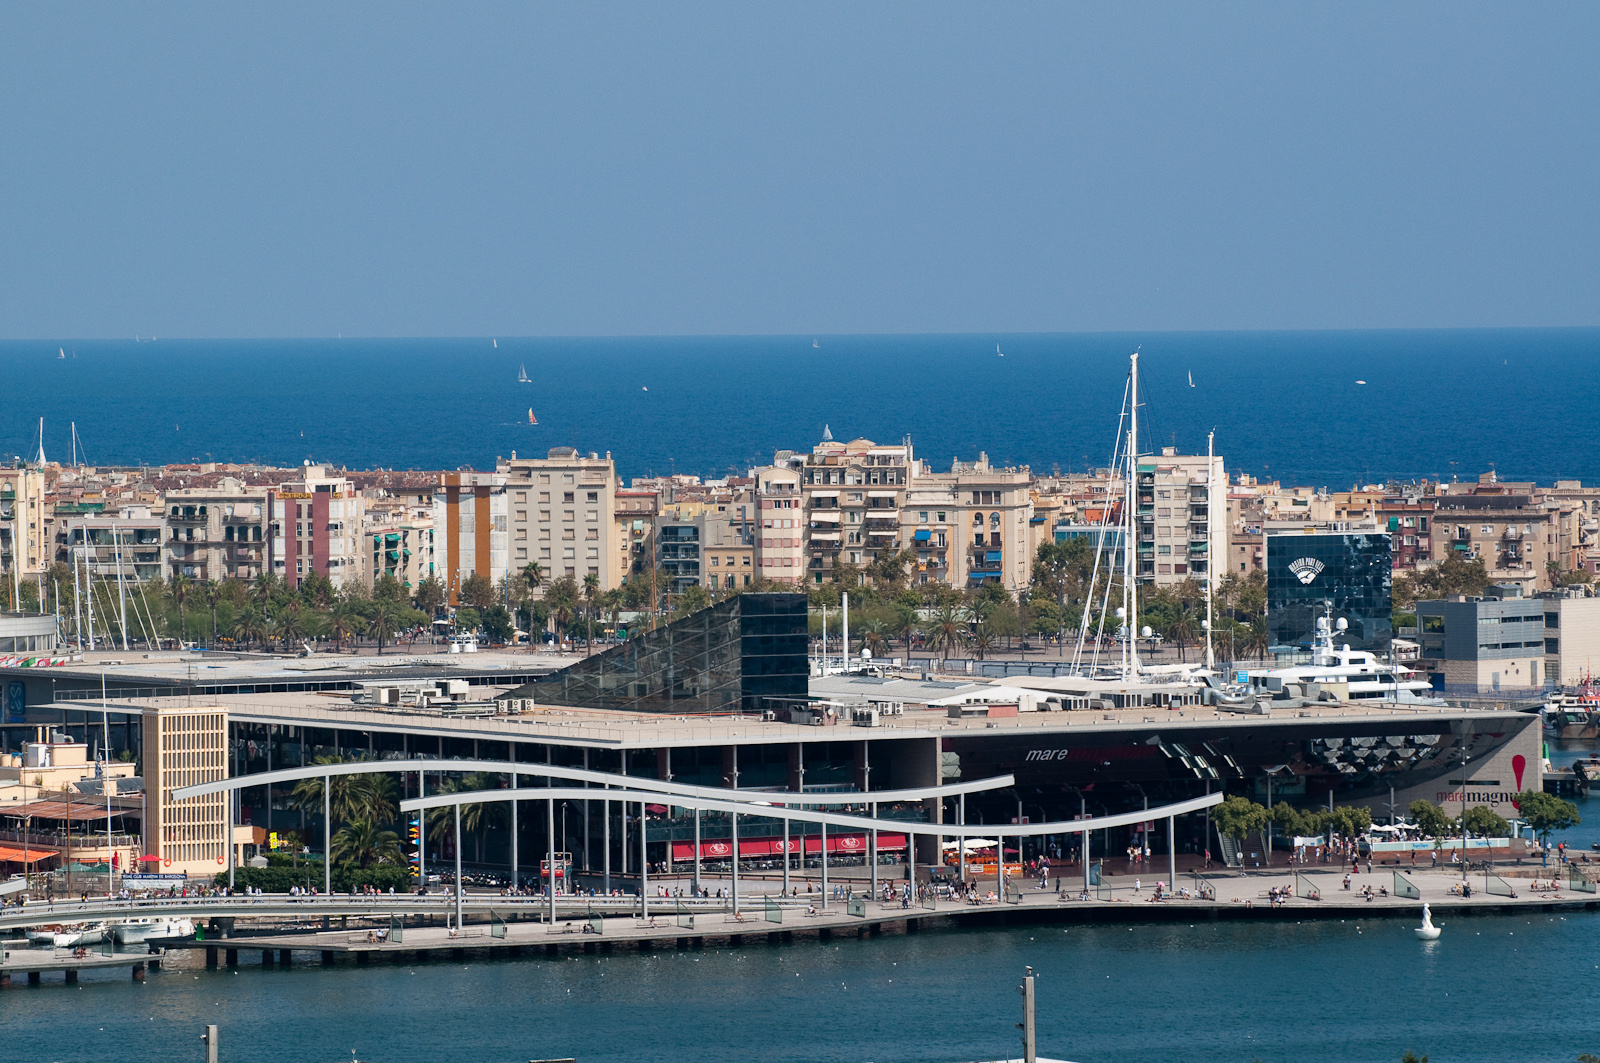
(633, 533)
(781, 535)
(317, 524)
(983, 512)
(728, 547)
(221, 530)
(1514, 534)
(184, 746)
(853, 493)
(471, 521)
(1409, 522)
(1173, 539)
(126, 544)
(25, 543)
(401, 547)
(563, 514)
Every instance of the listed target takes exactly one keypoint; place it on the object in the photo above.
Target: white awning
(883, 494)
(825, 535)
(824, 494)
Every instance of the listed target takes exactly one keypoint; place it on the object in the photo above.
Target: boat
(67, 935)
(1574, 713)
(147, 928)
(814, 343)
(531, 418)
(496, 344)
(1357, 674)
(63, 353)
(522, 375)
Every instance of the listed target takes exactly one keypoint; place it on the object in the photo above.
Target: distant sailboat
(998, 351)
(496, 344)
(1191, 379)
(531, 418)
(522, 374)
(814, 343)
(63, 353)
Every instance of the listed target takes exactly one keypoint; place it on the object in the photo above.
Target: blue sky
(594, 169)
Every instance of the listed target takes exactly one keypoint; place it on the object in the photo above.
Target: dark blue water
(1492, 989)
(1284, 405)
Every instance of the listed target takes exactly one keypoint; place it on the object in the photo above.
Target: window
(566, 496)
(521, 497)
(566, 477)
(591, 514)
(1433, 625)
(522, 515)
(922, 517)
(568, 533)
(977, 519)
(544, 478)
(594, 496)
(567, 552)
(940, 516)
(544, 552)
(568, 514)
(544, 533)
(591, 533)
(544, 516)
(544, 496)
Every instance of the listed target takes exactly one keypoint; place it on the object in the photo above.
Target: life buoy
(167, 862)
(219, 861)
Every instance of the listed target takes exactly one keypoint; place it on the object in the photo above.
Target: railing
(52, 840)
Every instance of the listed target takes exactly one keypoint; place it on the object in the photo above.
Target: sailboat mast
(122, 591)
(1129, 576)
(1211, 560)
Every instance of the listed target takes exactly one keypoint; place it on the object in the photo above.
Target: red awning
(149, 859)
(19, 856)
(721, 848)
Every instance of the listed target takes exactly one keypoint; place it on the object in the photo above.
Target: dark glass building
(1348, 572)
(727, 658)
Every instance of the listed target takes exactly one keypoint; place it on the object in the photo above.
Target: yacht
(1573, 714)
(139, 930)
(67, 936)
(1363, 675)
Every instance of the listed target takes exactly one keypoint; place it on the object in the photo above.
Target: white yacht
(139, 930)
(1350, 675)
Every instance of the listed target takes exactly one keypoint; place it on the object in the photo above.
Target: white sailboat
(522, 375)
(62, 353)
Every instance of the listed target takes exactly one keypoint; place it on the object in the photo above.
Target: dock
(38, 962)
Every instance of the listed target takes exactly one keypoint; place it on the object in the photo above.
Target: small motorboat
(1427, 931)
(139, 931)
(65, 936)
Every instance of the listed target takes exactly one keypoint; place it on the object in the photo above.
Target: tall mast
(122, 591)
(1211, 560)
(1129, 575)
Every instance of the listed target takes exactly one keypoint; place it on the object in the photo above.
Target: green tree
(344, 620)
(468, 620)
(383, 621)
(591, 592)
(430, 596)
(873, 637)
(361, 843)
(1483, 822)
(533, 576)
(250, 626)
(1546, 813)
(1431, 819)
(1448, 578)
(562, 596)
(389, 589)
(179, 589)
(692, 600)
(496, 623)
(477, 591)
(948, 630)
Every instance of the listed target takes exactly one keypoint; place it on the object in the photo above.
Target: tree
(872, 637)
(361, 843)
(468, 620)
(948, 630)
(390, 589)
(591, 590)
(383, 621)
(250, 627)
(1431, 819)
(562, 597)
(692, 600)
(612, 601)
(477, 591)
(903, 623)
(1483, 822)
(1546, 813)
(533, 576)
(343, 621)
(1448, 578)
(430, 596)
(496, 623)
(179, 588)
(291, 622)
(1236, 817)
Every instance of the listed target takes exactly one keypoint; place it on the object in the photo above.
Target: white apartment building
(25, 545)
(1172, 540)
(563, 514)
(221, 532)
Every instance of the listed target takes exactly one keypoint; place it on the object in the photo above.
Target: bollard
(209, 1038)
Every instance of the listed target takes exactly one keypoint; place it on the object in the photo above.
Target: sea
(1492, 989)
(1326, 409)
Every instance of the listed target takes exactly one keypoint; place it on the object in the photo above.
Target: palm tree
(265, 587)
(474, 817)
(213, 593)
(179, 588)
(1259, 642)
(382, 623)
(591, 588)
(948, 629)
(343, 622)
(364, 844)
(250, 627)
(291, 622)
(872, 637)
(904, 624)
(982, 640)
(612, 601)
(533, 576)
(562, 598)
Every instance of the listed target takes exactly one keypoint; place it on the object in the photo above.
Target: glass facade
(1348, 572)
(726, 658)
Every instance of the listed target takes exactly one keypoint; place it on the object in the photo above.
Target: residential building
(852, 496)
(1515, 535)
(317, 526)
(401, 547)
(223, 530)
(25, 546)
(470, 529)
(127, 545)
(781, 536)
(563, 514)
(184, 746)
(1173, 540)
(1409, 522)
(1571, 636)
(990, 509)
(633, 533)
(728, 547)
(678, 541)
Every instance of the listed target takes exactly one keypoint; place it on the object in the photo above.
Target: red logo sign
(1518, 763)
(719, 849)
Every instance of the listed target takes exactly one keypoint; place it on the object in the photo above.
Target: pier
(36, 963)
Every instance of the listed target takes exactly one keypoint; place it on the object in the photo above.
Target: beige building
(220, 532)
(1173, 539)
(728, 547)
(633, 533)
(186, 746)
(563, 514)
(781, 532)
(988, 513)
(25, 541)
(852, 495)
(317, 520)
(1571, 636)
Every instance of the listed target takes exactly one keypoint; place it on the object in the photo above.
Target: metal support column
(327, 835)
(514, 854)
(823, 833)
(605, 842)
(733, 823)
(458, 865)
(961, 843)
(550, 868)
(872, 851)
(1172, 852)
(786, 855)
(232, 796)
(696, 886)
(644, 867)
